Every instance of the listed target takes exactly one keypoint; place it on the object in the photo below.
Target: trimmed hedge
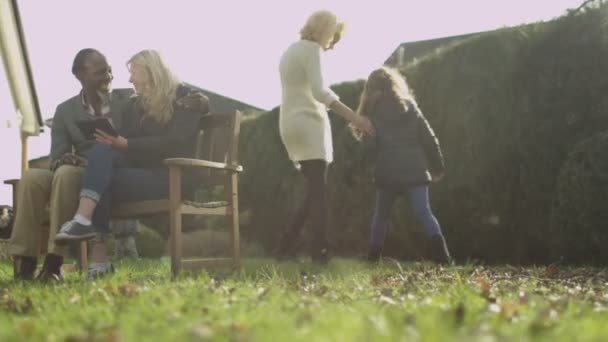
(579, 219)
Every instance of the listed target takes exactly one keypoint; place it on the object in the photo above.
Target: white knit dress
(303, 121)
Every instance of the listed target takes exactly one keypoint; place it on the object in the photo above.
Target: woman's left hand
(436, 177)
(119, 143)
(195, 100)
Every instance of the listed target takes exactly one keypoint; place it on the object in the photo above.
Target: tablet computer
(88, 127)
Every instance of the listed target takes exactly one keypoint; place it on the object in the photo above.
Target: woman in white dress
(305, 128)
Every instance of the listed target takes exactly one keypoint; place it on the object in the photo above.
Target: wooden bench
(216, 163)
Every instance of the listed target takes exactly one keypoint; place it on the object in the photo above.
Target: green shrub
(579, 219)
(150, 244)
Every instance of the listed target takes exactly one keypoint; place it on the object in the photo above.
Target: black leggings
(314, 206)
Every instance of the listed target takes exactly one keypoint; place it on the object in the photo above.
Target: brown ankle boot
(51, 270)
(24, 267)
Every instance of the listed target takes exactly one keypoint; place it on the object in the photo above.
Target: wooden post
(24, 163)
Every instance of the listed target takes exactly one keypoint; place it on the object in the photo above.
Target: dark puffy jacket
(405, 148)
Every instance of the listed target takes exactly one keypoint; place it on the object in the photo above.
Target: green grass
(290, 301)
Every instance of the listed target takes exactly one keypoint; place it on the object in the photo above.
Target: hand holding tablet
(88, 127)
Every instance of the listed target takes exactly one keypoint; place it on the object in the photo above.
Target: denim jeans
(109, 179)
(418, 197)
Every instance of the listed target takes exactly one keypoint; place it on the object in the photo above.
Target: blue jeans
(418, 197)
(108, 179)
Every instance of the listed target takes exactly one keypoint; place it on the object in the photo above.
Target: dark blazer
(405, 150)
(66, 136)
(150, 142)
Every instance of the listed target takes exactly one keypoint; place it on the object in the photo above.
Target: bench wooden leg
(82, 257)
(236, 239)
(175, 217)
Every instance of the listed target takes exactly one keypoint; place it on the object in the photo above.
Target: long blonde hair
(161, 88)
(384, 84)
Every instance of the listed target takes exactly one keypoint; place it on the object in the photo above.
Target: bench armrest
(202, 163)
(12, 182)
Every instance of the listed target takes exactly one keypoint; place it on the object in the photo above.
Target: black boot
(287, 247)
(51, 270)
(438, 250)
(320, 256)
(373, 256)
(24, 267)
(320, 247)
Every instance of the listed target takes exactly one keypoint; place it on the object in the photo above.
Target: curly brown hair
(386, 84)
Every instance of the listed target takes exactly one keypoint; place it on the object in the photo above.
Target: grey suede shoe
(74, 231)
(98, 269)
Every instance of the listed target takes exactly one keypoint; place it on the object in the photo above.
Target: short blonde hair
(322, 26)
(161, 88)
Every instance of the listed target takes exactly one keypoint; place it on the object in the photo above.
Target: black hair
(81, 56)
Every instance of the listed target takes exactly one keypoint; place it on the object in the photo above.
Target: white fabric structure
(17, 68)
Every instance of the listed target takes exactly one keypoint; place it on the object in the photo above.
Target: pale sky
(230, 46)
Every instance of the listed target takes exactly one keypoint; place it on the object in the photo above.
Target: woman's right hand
(118, 143)
(363, 124)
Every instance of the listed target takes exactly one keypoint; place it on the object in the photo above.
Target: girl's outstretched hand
(363, 125)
